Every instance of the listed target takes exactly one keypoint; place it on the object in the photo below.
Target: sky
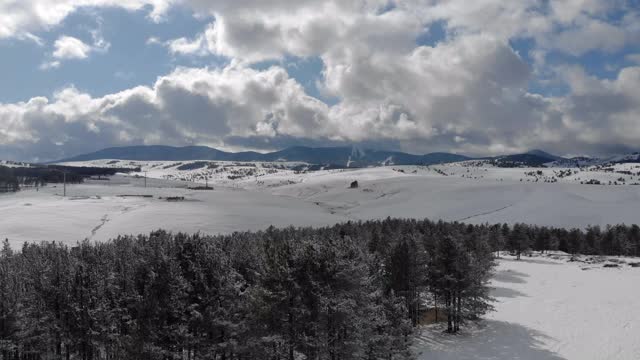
(486, 77)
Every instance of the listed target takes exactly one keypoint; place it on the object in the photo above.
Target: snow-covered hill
(201, 171)
(13, 164)
(585, 161)
(252, 174)
(344, 156)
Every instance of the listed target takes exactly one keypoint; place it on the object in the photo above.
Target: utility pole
(64, 186)
(145, 179)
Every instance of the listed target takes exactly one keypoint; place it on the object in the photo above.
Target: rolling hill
(341, 156)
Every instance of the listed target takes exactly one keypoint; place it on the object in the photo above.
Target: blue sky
(128, 63)
(487, 78)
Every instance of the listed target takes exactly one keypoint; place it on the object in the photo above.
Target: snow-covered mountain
(627, 158)
(583, 161)
(341, 156)
(346, 157)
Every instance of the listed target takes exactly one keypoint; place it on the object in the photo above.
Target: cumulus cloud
(270, 30)
(467, 91)
(238, 106)
(71, 48)
(603, 112)
(22, 17)
(184, 46)
(67, 47)
(198, 106)
(52, 64)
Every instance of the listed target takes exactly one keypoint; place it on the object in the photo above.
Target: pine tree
(575, 241)
(406, 269)
(518, 240)
(9, 298)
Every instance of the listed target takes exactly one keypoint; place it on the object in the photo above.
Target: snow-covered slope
(582, 161)
(99, 210)
(251, 173)
(480, 197)
(200, 171)
(13, 164)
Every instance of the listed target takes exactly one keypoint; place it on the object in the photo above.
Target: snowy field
(99, 210)
(276, 195)
(550, 309)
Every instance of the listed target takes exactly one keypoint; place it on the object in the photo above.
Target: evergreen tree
(518, 240)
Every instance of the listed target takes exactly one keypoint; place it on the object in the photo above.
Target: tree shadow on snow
(487, 340)
(532, 260)
(510, 276)
(497, 292)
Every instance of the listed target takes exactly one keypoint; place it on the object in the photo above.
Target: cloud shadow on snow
(532, 261)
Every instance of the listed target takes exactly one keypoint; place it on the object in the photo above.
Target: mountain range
(346, 156)
(341, 156)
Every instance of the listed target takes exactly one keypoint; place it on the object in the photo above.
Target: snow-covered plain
(549, 309)
(253, 196)
(99, 210)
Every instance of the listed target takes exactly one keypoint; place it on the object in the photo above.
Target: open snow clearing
(549, 309)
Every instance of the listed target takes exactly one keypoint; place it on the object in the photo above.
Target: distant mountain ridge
(343, 156)
(580, 161)
(544, 154)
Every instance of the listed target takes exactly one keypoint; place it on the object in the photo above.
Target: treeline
(617, 240)
(44, 174)
(351, 291)
(8, 181)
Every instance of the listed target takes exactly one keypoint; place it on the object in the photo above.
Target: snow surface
(549, 309)
(255, 195)
(97, 211)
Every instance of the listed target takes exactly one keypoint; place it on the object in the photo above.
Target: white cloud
(33, 38)
(187, 106)
(47, 65)
(71, 48)
(21, 17)
(184, 46)
(591, 35)
(238, 106)
(67, 47)
(603, 111)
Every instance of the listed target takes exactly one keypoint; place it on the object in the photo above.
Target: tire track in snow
(340, 210)
(104, 220)
(485, 213)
